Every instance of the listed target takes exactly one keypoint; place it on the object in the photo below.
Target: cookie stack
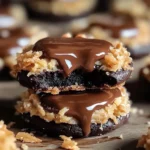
(75, 86)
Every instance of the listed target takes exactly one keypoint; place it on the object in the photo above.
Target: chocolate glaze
(118, 26)
(73, 53)
(82, 106)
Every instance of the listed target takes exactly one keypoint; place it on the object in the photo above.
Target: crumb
(27, 138)
(144, 141)
(68, 143)
(24, 147)
(10, 124)
(7, 138)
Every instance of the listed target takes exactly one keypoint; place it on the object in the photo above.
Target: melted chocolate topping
(82, 106)
(73, 53)
(118, 26)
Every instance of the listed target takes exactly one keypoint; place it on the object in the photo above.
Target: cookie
(76, 115)
(73, 64)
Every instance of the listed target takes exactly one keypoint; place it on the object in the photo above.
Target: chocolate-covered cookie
(73, 64)
(134, 33)
(76, 115)
(59, 10)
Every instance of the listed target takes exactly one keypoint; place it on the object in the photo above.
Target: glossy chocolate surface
(73, 53)
(81, 106)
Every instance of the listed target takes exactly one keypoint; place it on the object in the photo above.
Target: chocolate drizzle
(117, 26)
(82, 106)
(73, 53)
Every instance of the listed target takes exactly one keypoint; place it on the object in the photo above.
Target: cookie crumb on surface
(144, 141)
(68, 143)
(7, 138)
(27, 138)
(24, 147)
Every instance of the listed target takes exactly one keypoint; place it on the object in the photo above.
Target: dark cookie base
(5, 74)
(54, 130)
(93, 80)
(51, 17)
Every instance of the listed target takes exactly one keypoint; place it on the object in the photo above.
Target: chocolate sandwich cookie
(77, 115)
(55, 65)
(13, 37)
(134, 33)
(59, 10)
(134, 8)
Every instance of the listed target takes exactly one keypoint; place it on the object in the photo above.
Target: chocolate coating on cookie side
(73, 53)
(82, 106)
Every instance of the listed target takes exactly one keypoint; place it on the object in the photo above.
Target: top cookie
(55, 65)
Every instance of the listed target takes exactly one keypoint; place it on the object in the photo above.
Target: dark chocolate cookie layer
(53, 129)
(93, 80)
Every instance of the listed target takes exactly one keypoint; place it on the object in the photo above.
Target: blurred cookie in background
(59, 10)
(134, 8)
(14, 35)
(134, 33)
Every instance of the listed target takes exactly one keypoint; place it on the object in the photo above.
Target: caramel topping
(82, 106)
(118, 26)
(73, 53)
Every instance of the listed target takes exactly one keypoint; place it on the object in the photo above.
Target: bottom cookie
(74, 130)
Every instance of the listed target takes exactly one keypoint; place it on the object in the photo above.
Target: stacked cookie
(75, 86)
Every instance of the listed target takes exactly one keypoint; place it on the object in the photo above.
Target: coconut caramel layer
(144, 141)
(31, 104)
(115, 58)
(7, 138)
(57, 7)
(135, 8)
